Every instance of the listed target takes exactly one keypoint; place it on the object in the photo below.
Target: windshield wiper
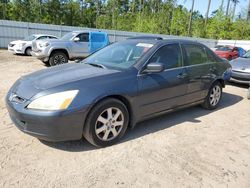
(97, 65)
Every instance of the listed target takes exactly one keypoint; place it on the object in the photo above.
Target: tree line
(150, 16)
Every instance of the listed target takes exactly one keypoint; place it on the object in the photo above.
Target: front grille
(14, 98)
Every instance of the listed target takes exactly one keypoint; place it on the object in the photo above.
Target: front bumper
(48, 125)
(40, 53)
(240, 77)
(15, 49)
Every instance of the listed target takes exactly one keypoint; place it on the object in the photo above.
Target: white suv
(24, 46)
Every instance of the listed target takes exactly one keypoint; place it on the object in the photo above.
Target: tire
(58, 58)
(28, 51)
(214, 96)
(100, 129)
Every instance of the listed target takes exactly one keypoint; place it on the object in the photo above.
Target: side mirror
(154, 68)
(76, 39)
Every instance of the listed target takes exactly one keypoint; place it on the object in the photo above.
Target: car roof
(165, 41)
(86, 31)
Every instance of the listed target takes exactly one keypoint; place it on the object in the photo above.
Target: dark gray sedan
(241, 69)
(115, 88)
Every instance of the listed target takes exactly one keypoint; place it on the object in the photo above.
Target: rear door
(80, 48)
(198, 70)
(162, 91)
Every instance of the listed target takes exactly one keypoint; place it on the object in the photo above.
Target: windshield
(68, 36)
(119, 55)
(247, 55)
(30, 38)
(224, 48)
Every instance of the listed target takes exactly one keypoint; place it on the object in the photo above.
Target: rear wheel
(58, 58)
(106, 123)
(214, 96)
(28, 51)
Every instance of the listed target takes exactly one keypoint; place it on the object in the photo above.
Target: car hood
(29, 85)
(55, 40)
(19, 42)
(241, 64)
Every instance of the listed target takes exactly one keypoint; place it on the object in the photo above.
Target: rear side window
(211, 56)
(84, 37)
(194, 54)
(95, 37)
(169, 55)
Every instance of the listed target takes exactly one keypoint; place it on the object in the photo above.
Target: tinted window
(52, 37)
(194, 54)
(42, 37)
(84, 37)
(211, 57)
(169, 55)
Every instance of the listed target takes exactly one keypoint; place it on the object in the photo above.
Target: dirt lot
(189, 148)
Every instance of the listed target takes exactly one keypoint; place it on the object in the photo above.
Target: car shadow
(153, 125)
(245, 86)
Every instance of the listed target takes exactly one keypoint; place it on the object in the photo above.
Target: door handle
(182, 75)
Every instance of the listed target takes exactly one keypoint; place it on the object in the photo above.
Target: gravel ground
(189, 148)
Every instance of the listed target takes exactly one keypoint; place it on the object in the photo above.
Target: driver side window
(169, 55)
(84, 37)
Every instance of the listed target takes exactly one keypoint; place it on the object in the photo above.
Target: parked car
(241, 69)
(241, 51)
(114, 88)
(227, 52)
(24, 46)
(72, 46)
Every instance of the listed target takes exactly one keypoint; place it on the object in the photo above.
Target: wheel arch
(122, 99)
(59, 50)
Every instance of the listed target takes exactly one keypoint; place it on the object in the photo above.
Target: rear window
(97, 37)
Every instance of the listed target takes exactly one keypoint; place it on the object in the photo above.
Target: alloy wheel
(109, 124)
(215, 95)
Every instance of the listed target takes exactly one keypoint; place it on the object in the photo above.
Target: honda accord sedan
(115, 88)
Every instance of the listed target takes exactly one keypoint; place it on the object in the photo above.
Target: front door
(166, 90)
(80, 48)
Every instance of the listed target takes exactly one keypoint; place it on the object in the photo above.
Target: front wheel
(28, 51)
(58, 58)
(106, 123)
(214, 96)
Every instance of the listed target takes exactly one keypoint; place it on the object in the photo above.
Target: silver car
(72, 46)
(24, 46)
(241, 69)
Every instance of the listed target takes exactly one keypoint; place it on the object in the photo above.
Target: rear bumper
(50, 126)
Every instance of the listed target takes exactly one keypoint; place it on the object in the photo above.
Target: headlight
(56, 101)
(43, 45)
